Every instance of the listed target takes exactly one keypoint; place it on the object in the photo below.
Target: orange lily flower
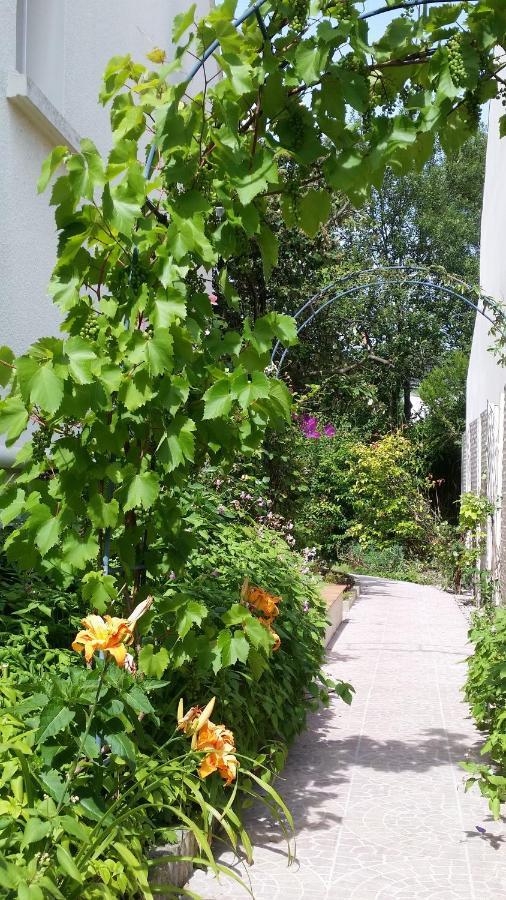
(261, 600)
(216, 741)
(195, 718)
(224, 763)
(219, 741)
(109, 634)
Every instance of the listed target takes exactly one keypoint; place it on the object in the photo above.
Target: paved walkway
(375, 788)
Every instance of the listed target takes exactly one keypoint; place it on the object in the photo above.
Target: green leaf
(153, 664)
(13, 418)
(159, 352)
(217, 399)
(35, 830)
(183, 21)
(229, 648)
(53, 784)
(15, 501)
(121, 745)
(269, 247)
(68, 865)
(48, 535)
(314, 209)
(47, 389)
(81, 359)
(77, 551)
(29, 891)
(73, 826)
(138, 700)
(256, 633)
(103, 513)
(50, 165)
(263, 173)
(192, 614)
(54, 718)
(180, 443)
(99, 590)
(142, 491)
(6, 361)
(248, 388)
(236, 615)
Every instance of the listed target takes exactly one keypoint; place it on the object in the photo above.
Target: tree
(443, 393)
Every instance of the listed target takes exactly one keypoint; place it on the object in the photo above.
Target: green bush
(389, 504)
(386, 562)
(485, 690)
(458, 548)
(100, 783)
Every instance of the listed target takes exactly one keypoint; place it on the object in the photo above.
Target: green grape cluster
(455, 61)
(352, 64)
(344, 8)
(41, 440)
(137, 276)
(299, 14)
(296, 126)
(473, 109)
(90, 329)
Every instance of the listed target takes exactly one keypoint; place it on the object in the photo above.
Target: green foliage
(146, 386)
(86, 791)
(387, 562)
(389, 506)
(485, 691)
(263, 698)
(458, 548)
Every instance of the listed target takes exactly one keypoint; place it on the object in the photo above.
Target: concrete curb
(339, 602)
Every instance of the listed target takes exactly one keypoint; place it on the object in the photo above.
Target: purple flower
(309, 427)
(329, 431)
(306, 606)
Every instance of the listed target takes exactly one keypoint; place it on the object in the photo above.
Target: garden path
(375, 789)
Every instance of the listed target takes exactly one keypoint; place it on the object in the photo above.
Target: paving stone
(375, 789)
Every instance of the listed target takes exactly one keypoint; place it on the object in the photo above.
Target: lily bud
(140, 610)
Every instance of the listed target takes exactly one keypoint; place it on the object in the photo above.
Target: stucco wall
(94, 30)
(486, 378)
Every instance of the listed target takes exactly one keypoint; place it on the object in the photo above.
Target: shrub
(485, 690)
(458, 548)
(387, 493)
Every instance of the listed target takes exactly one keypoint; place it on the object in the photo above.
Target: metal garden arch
(356, 282)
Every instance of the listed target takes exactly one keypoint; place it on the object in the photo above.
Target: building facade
(52, 56)
(484, 443)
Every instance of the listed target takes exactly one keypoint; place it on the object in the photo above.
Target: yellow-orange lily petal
(108, 634)
(263, 601)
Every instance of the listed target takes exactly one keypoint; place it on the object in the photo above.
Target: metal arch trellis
(383, 276)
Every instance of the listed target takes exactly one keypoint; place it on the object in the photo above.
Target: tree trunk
(407, 401)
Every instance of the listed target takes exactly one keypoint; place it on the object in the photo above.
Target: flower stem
(89, 720)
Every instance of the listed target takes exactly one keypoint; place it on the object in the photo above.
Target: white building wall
(486, 378)
(484, 448)
(67, 46)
